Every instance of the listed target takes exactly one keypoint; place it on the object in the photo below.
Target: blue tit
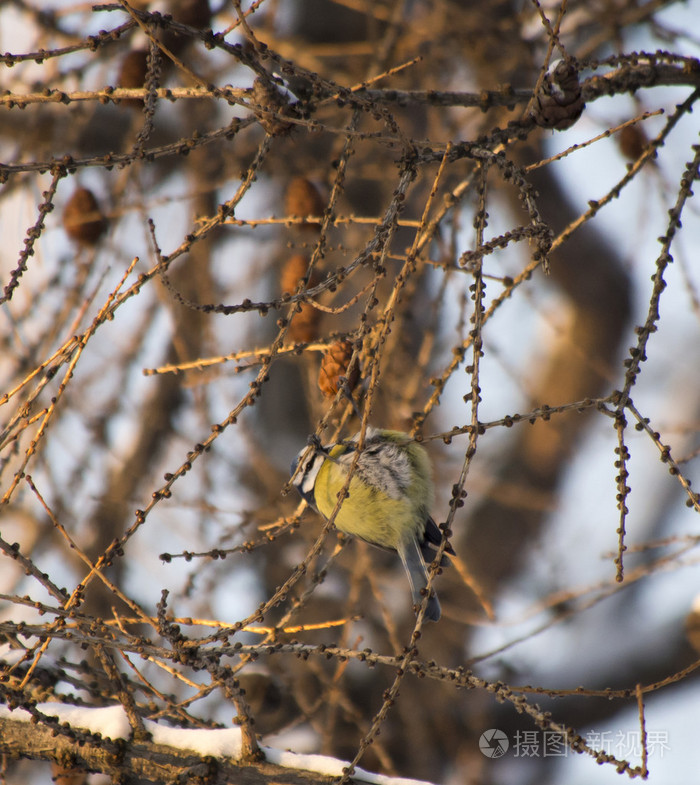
(389, 498)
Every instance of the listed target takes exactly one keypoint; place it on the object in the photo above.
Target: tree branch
(143, 760)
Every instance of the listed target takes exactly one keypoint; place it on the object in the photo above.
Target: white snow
(204, 741)
(331, 767)
(112, 723)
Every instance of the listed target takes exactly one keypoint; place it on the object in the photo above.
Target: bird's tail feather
(414, 565)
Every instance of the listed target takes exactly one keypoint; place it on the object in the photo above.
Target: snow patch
(331, 767)
(112, 723)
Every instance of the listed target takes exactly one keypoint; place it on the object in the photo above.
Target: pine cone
(268, 98)
(194, 13)
(83, 219)
(632, 142)
(692, 625)
(334, 365)
(302, 199)
(133, 74)
(559, 103)
(304, 326)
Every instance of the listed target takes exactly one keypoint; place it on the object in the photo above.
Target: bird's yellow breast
(369, 513)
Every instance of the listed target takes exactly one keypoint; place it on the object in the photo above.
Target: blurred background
(354, 195)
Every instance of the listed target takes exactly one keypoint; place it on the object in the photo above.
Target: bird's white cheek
(307, 485)
(309, 480)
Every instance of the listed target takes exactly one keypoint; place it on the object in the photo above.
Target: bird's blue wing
(414, 565)
(431, 539)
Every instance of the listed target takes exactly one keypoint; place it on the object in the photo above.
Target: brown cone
(334, 366)
(83, 219)
(632, 142)
(304, 326)
(133, 74)
(266, 96)
(303, 199)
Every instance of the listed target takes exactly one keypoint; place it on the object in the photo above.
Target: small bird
(388, 502)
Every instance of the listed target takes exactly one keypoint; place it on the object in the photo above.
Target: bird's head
(304, 470)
